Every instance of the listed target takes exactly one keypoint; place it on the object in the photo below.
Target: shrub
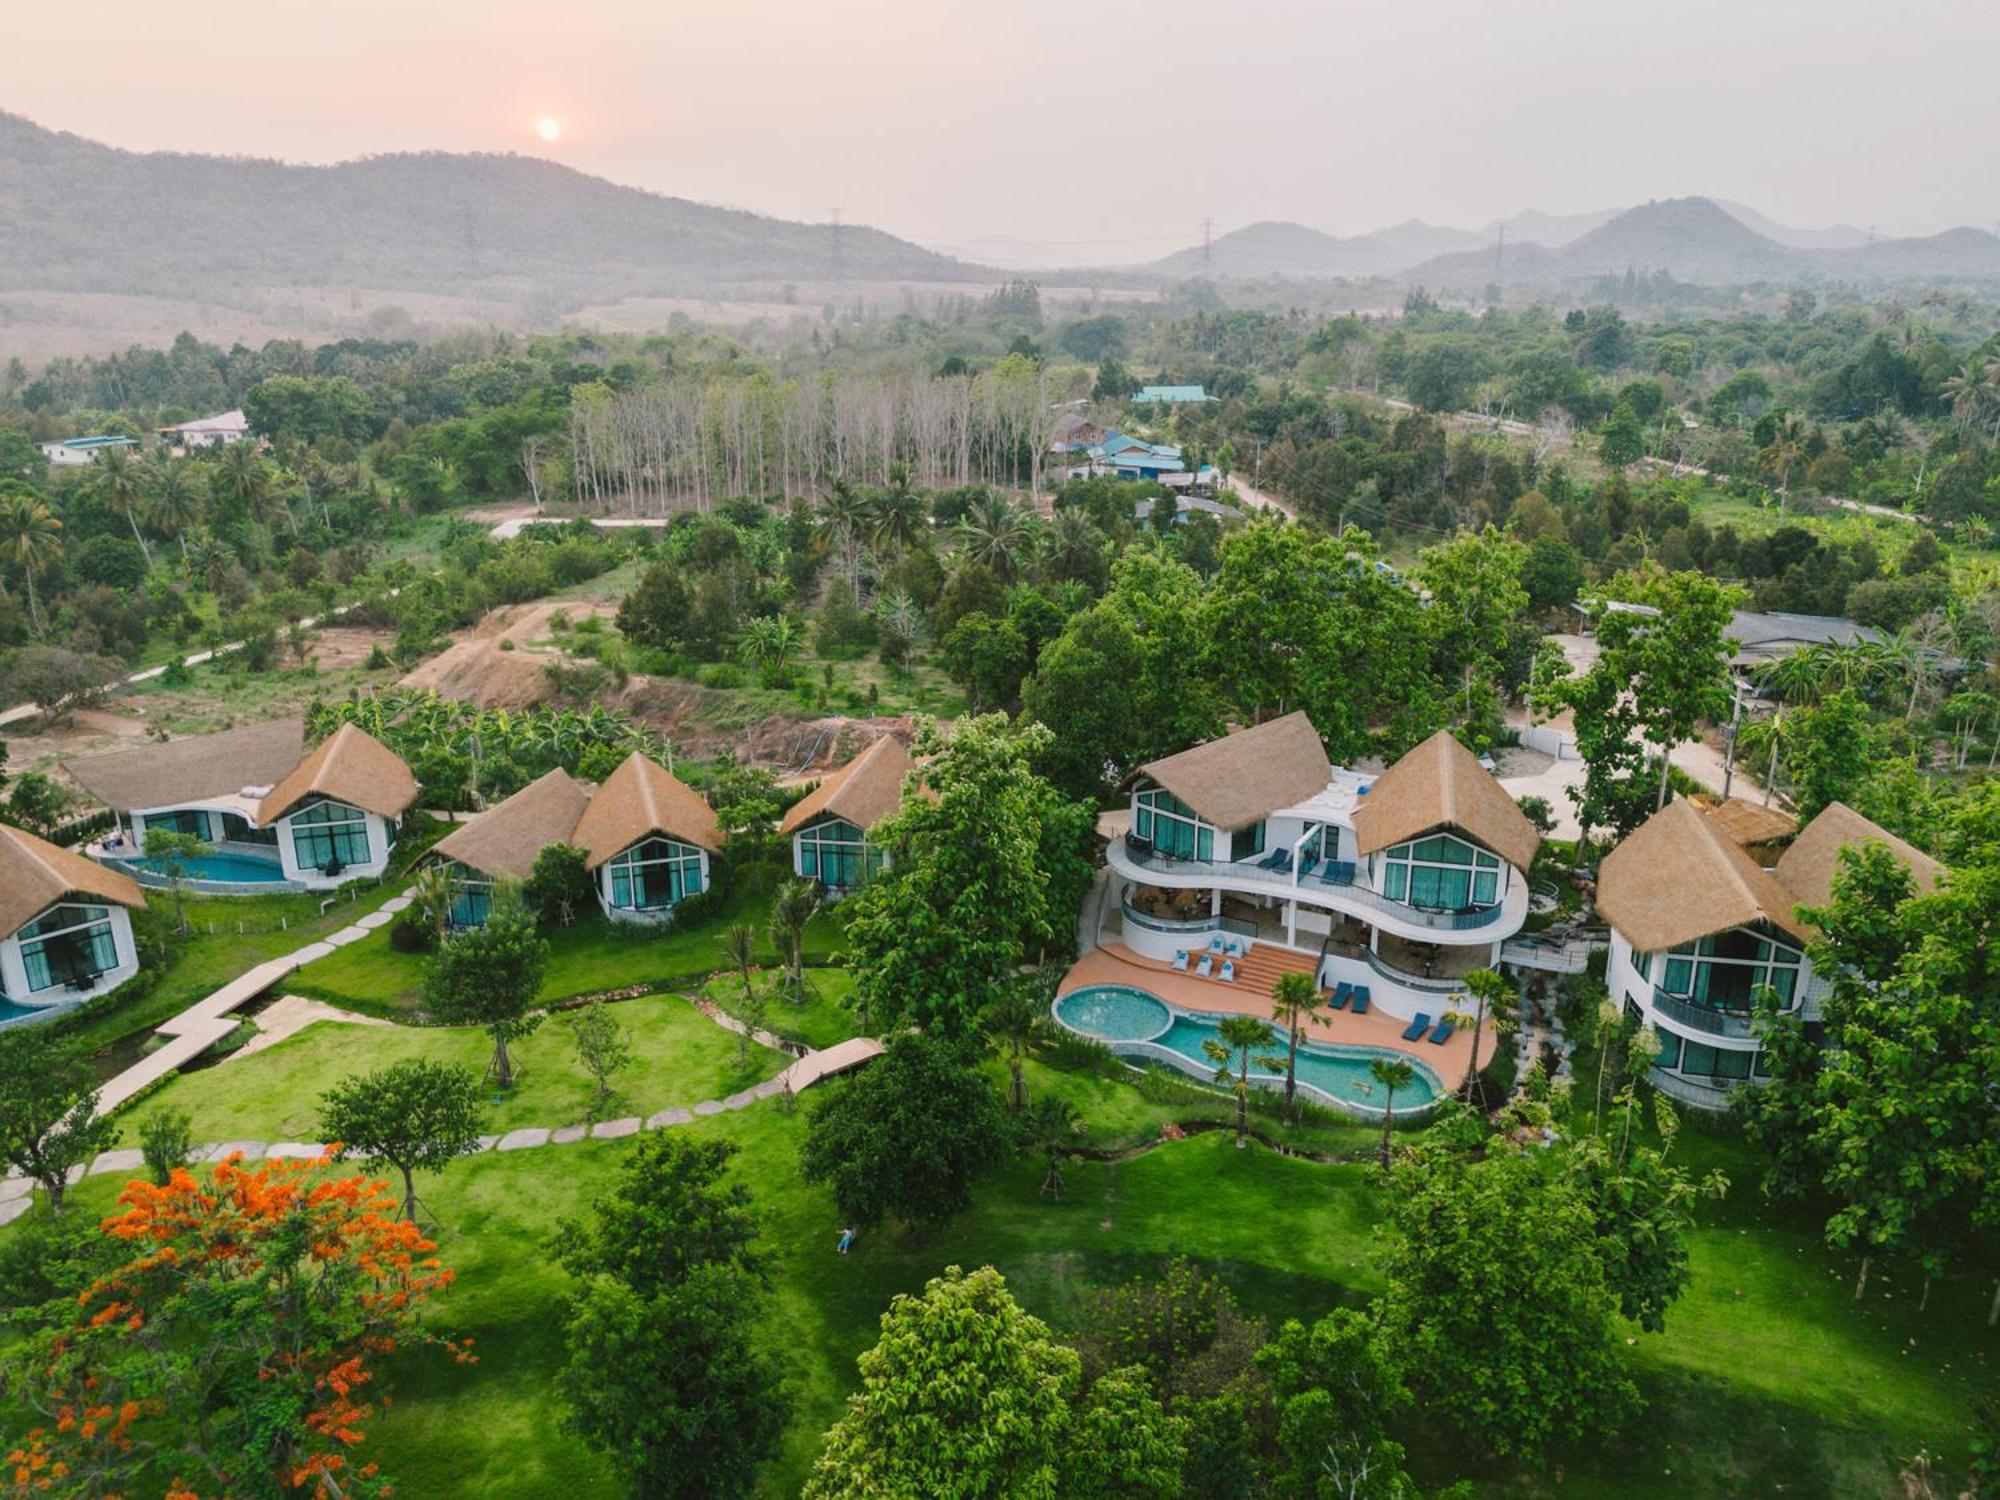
(166, 1142)
(721, 675)
(411, 935)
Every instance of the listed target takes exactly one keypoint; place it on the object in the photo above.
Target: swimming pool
(233, 869)
(11, 1013)
(1134, 1023)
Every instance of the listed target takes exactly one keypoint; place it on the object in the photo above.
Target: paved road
(1697, 758)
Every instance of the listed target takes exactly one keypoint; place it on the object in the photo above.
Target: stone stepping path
(16, 1196)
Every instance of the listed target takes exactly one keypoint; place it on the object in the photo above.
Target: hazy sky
(1099, 132)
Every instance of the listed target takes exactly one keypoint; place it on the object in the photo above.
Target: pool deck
(1114, 963)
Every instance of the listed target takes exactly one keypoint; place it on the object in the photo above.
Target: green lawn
(1769, 1379)
(823, 1018)
(589, 957)
(679, 1058)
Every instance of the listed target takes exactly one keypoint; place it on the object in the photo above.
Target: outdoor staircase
(1260, 967)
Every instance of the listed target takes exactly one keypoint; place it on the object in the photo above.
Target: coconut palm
(1392, 1073)
(843, 513)
(998, 535)
(897, 515)
(1015, 1020)
(1295, 998)
(1051, 1125)
(1787, 447)
(901, 621)
(1491, 995)
(1918, 652)
(242, 475)
(1971, 393)
(792, 910)
(1076, 546)
(739, 946)
(1230, 1052)
(173, 500)
(31, 537)
(122, 484)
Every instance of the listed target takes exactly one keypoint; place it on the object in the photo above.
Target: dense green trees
(989, 866)
(966, 1396)
(667, 1374)
(907, 1136)
(414, 1115)
(48, 1111)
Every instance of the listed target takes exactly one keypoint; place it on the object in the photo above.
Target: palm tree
(1492, 996)
(843, 512)
(1076, 546)
(1294, 999)
(1051, 1124)
(1237, 1035)
(901, 621)
(1015, 1021)
(897, 515)
(1918, 652)
(242, 475)
(1788, 446)
(997, 534)
(32, 537)
(792, 911)
(123, 485)
(1392, 1073)
(431, 895)
(739, 946)
(173, 503)
(1971, 393)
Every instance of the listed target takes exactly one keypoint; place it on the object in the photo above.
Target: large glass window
(653, 874)
(836, 853)
(1248, 843)
(329, 834)
(1171, 825)
(1723, 971)
(1441, 872)
(471, 896)
(1699, 1060)
(239, 830)
(70, 944)
(191, 821)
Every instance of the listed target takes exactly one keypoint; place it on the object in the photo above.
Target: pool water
(9, 1011)
(1115, 1014)
(242, 869)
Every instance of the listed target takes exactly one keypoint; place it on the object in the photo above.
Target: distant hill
(1697, 240)
(79, 216)
(1833, 237)
(1533, 227)
(1276, 248)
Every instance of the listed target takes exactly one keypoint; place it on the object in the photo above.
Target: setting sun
(548, 129)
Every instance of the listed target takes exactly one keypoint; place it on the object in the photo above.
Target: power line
(838, 269)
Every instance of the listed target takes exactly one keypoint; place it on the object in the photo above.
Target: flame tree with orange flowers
(231, 1350)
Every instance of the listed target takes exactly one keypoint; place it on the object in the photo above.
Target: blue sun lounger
(1444, 1031)
(1341, 994)
(1417, 1027)
(1361, 999)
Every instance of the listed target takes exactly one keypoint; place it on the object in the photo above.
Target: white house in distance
(68, 927)
(650, 837)
(1402, 882)
(829, 826)
(207, 432)
(277, 816)
(1698, 925)
(77, 452)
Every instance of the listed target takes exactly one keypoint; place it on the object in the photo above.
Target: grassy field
(589, 957)
(1769, 1379)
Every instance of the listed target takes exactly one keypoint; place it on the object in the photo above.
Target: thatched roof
(1236, 780)
(35, 875)
(1440, 785)
(1748, 823)
(864, 791)
(503, 841)
(1681, 877)
(637, 799)
(352, 766)
(199, 768)
(1806, 869)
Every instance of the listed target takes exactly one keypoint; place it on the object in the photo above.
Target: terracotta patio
(1114, 963)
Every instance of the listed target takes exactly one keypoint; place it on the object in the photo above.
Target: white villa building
(650, 837)
(79, 452)
(829, 826)
(1403, 882)
(68, 927)
(502, 843)
(207, 432)
(276, 816)
(1698, 926)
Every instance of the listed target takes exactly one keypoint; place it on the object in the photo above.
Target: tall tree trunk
(1666, 765)
(1861, 1281)
(144, 551)
(409, 1196)
(1993, 1311)
(1018, 1087)
(503, 1065)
